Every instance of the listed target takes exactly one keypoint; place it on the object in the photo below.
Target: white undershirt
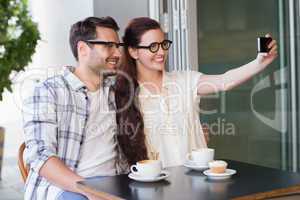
(97, 156)
(171, 119)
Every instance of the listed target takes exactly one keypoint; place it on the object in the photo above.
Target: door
(256, 122)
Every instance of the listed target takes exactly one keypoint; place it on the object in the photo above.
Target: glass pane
(227, 32)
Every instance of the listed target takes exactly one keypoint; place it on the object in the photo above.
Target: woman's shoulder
(183, 75)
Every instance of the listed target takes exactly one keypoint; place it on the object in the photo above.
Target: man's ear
(82, 48)
(133, 52)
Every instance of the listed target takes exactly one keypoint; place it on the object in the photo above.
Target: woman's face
(147, 59)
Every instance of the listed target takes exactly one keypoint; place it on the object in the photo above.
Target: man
(70, 130)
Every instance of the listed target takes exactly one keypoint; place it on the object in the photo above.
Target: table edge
(271, 194)
(101, 194)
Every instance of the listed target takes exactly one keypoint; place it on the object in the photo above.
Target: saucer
(218, 176)
(163, 175)
(192, 165)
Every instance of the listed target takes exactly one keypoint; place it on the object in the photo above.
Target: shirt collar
(76, 84)
(109, 81)
(166, 79)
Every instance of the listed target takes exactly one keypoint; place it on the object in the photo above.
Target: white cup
(201, 156)
(147, 168)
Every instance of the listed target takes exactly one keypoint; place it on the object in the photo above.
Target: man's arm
(209, 84)
(56, 172)
(40, 130)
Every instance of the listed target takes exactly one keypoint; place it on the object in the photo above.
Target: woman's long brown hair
(131, 136)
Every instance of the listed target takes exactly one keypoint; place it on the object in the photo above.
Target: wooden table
(250, 182)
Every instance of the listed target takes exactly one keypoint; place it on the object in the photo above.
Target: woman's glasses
(107, 44)
(154, 47)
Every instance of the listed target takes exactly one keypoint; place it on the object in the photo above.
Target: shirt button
(81, 143)
(86, 98)
(76, 165)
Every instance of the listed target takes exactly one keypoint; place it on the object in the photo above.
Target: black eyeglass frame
(160, 44)
(108, 44)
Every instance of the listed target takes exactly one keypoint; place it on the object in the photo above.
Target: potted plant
(18, 38)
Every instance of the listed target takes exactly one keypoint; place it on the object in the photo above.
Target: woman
(158, 110)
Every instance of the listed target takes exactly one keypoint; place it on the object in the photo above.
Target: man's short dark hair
(86, 30)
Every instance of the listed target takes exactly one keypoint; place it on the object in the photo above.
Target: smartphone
(262, 44)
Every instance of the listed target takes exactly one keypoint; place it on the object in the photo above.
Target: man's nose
(117, 52)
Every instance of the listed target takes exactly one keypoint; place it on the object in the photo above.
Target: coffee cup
(147, 168)
(262, 44)
(201, 157)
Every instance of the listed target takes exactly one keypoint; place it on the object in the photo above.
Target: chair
(24, 170)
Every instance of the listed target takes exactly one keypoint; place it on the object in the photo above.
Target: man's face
(103, 57)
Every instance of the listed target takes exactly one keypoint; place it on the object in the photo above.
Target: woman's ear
(133, 52)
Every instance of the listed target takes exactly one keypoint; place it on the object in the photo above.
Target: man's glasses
(107, 44)
(154, 47)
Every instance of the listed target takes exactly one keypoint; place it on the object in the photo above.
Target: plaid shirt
(55, 118)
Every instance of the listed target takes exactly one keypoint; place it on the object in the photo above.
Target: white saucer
(216, 176)
(192, 165)
(164, 174)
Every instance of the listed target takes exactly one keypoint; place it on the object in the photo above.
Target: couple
(85, 123)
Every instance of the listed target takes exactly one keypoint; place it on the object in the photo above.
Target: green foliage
(18, 38)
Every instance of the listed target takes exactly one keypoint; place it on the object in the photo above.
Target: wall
(121, 11)
(54, 18)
